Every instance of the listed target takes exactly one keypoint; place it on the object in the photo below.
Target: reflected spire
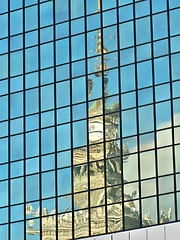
(99, 5)
(101, 50)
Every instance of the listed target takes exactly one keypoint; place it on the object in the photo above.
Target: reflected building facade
(90, 117)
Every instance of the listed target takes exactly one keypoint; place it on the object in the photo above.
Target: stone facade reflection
(93, 174)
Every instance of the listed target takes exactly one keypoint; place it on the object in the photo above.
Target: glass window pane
(47, 97)
(63, 137)
(17, 169)
(165, 156)
(175, 67)
(149, 208)
(109, 17)
(17, 231)
(47, 55)
(79, 90)
(46, 14)
(77, 26)
(78, 47)
(146, 119)
(32, 187)
(16, 101)
(127, 34)
(62, 51)
(31, 38)
(32, 165)
(4, 193)
(147, 163)
(77, 8)
(162, 92)
(160, 48)
(148, 188)
(4, 6)
(164, 138)
(63, 115)
(4, 150)
(47, 119)
(163, 115)
(130, 168)
(16, 63)
(32, 144)
(31, 59)
(160, 26)
(16, 84)
(17, 188)
(143, 30)
(79, 133)
(166, 184)
(175, 43)
(16, 21)
(142, 8)
(144, 52)
(158, 6)
(17, 147)
(129, 123)
(4, 25)
(126, 13)
(48, 162)
(4, 217)
(63, 94)
(32, 122)
(127, 78)
(17, 212)
(46, 34)
(31, 23)
(15, 4)
(32, 101)
(174, 18)
(64, 174)
(161, 70)
(47, 76)
(16, 42)
(61, 10)
(47, 140)
(166, 209)
(4, 171)
(144, 69)
(4, 108)
(48, 184)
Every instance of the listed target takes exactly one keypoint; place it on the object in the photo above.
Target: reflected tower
(100, 204)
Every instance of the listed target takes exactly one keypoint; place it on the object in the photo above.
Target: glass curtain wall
(89, 117)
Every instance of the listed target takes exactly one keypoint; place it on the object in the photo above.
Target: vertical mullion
(39, 92)
(87, 114)
(104, 117)
(24, 121)
(9, 131)
(120, 119)
(154, 108)
(172, 110)
(55, 120)
(71, 119)
(137, 110)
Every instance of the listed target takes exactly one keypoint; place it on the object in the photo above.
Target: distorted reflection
(115, 220)
(81, 220)
(103, 176)
(97, 220)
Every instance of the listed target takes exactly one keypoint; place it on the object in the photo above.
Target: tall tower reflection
(99, 202)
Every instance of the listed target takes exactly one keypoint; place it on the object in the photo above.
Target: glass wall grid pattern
(90, 117)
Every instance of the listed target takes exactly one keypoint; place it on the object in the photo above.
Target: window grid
(50, 120)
